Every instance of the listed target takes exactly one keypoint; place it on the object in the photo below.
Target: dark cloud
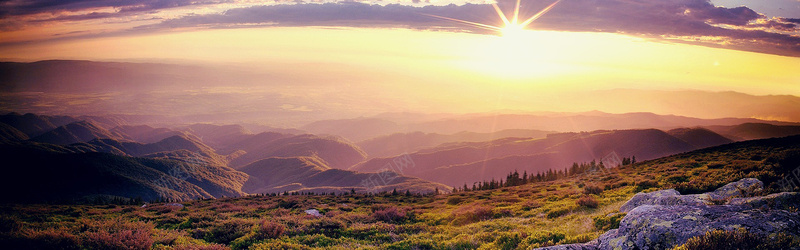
(792, 20)
(9, 8)
(693, 21)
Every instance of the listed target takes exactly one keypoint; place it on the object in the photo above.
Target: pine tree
(525, 177)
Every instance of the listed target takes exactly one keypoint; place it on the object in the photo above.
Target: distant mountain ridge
(76, 132)
(335, 152)
(11, 134)
(751, 131)
(399, 143)
(310, 174)
(364, 128)
(458, 163)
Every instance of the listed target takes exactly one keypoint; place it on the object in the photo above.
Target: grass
(567, 210)
(739, 240)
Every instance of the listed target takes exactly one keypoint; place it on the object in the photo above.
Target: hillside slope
(310, 174)
(399, 143)
(753, 131)
(75, 132)
(458, 163)
(11, 134)
(335, 152)
(564, 208)
(46, 172)
(699, 137)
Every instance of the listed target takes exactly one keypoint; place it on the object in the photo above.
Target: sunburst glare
(513, 54)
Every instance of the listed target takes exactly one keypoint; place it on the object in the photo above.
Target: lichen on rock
(665, 219)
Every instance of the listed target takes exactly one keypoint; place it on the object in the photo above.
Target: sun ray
(501, 14)
(534, 17)
(478, 25)
(511, 27)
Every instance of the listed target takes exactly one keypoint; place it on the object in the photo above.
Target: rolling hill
(144, 133)
(354, 129)
(458, 163)
(75, 132)
(574, 208)
(310, 174)
(699, 137)
(334, 152)
(399, 143)
(11, 134)
(752, 131)
(217, 136)
(35, 125)
(172, 143)
(385, 124)
(52, 173)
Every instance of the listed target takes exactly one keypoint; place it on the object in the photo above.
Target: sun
(512, 30)
(512, 54)
(511, 27)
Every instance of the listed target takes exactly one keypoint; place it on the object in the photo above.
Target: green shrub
(558, 212)
(588, 201)
(415, 243)
(606, 222)
(592, 189)
(530, 204)
(274, 245)
(698, 186)
(269, 230)
(471, 213)
(454, 200)
(581, 238)
(326, 226)
(389, 214)
(51, 238)
(645, 184)
(542, 239)
(507, 241)
(227, 232)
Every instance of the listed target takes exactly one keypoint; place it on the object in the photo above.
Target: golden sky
(397, 51)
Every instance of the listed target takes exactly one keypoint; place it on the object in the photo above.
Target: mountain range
(188, 161)
(466, 162)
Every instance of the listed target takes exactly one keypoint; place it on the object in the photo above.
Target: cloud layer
(691, 21)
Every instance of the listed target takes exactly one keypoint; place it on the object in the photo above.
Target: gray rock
(665, 219)
(773, 201)
(570, 247)
(664, 227)
(672, 197)
(736, 189)
(664, 197)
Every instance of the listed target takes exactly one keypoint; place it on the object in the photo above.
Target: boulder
(665, 219)
(669, 197)
(741, 188)
(664, 227)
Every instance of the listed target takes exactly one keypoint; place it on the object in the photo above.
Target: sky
(434, 52)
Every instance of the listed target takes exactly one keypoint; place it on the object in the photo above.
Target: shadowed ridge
(75, 132)
(699, 137)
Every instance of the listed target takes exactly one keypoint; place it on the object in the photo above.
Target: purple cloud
(10, 8)
(680, 20)
(690, 21)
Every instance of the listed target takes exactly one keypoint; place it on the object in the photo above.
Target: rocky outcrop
(665, 219)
